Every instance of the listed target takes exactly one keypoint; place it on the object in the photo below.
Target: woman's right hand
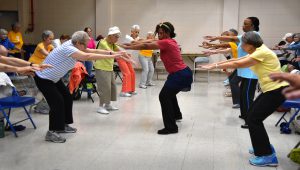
(211, 38)
(28, 70)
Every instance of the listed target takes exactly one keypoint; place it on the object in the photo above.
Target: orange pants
(128, 73)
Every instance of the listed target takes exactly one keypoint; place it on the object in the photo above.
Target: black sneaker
(165, 131)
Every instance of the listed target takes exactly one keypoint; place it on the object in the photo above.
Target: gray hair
(46, 34)
(81, 37)
(135, 27)
(252, 38)
(3, 31)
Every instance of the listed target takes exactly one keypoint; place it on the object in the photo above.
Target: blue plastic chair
(15, 101)
(285, 126)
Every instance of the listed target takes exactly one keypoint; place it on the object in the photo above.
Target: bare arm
(14, 61)
(222, 38)
(142, 46)
(233, 63)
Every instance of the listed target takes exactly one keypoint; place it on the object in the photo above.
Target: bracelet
(110, 53)
(31, 64)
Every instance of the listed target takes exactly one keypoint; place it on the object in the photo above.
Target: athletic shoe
(270, 160)
(102, 110)
(52, 136)
(110, 107)
(123, 94)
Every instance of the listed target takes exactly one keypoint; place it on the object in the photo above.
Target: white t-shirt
(61, 60)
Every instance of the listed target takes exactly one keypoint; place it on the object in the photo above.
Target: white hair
(135, 27)
(3, 31)
(80, 37)
(150, 33)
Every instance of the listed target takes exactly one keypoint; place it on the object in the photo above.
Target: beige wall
(60, 16)
(192, 18)
(277, 17)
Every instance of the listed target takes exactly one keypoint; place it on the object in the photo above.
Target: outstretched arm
(151, 45)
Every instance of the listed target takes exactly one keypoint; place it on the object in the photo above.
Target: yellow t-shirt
(234, 51)
(146, 53)
(37, 57)
(17, 39)
(106, 64)
(268, 63)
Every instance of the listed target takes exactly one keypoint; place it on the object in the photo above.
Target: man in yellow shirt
(15, 36)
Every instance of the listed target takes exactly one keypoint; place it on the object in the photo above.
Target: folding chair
(117, 71)
(15, 101)
(88, 85)
(200, 60)
(285, 126)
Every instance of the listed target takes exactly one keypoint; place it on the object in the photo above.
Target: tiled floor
(209, 138)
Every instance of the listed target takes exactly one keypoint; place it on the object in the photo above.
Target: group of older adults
(256, 62)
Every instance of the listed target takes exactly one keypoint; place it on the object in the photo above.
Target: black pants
(247, 92)
(234, 81)
(169, 107)
(60, 102)
(263, 106)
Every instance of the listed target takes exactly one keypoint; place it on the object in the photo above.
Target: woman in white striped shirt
(56, 93)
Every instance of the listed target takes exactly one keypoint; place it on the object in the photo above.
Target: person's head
(225, 33)
(165, 30)
(113, 35)
(80, 39)
(288, 37)
(3, 34)
(16, 27)
(250, 41)
(281, 43)
(63, 38)
(135, 31)
(150, 35)
(99, 37)
(296, 37)
(88, 30)
(251, 24)
(47, 36)
(233, 32)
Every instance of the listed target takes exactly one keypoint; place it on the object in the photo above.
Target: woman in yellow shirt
(15, 36)
(43, 48)
(145, 58)
(262, 61)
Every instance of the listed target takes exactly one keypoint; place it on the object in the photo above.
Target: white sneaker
(102, 110)
(123, 94)
(142, 86)
(133, 93)
(150, 84)
(110, 107)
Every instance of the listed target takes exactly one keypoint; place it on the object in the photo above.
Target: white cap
(287, 35)
(114, 30)
(135, 27)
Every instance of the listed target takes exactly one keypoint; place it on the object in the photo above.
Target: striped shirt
(61, 60)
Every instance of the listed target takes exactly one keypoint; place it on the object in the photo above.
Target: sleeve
(103, 46)
(11, 45)
(163, 44)
(257, 55)
(70, 50)
(294, 47)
